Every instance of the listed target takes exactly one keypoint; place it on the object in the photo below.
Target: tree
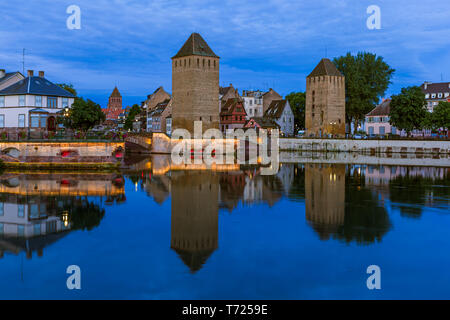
(367, 77)
(84, 114)
(134, 111)
(297, 101)
(68, 87)
(440, 118)
(408, 110)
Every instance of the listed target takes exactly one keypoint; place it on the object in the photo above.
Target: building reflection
(325, 197)
(195, 216)
(37, 210)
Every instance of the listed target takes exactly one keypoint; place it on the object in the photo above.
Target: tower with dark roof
(195, 85)
(114, 108)
(325, 101)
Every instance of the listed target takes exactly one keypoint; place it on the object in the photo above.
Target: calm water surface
(155, 232)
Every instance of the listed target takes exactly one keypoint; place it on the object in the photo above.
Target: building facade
(281, 113)
(435, 93)
(253, 103)
(378, 120)
(232, 115)
(268, 97)
(195, 85)
(33, 104)
(325, 101)
(156, 118)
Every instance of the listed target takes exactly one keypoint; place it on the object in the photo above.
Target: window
(427, 96)
(21, 101)
(65, 102)
(52, 102)
(2, 120)
(2, 209)
(37, 229)
(20, 210)
(439, 95)
(433, 96)
(394, 130)
(21, 121)
(445, 95)
(20, 231)
(1, 229)
(2, 102)
(38, 101)
(370, 130)
(34, 121)
(382, 130)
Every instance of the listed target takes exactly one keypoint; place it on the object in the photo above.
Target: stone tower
(195, 85)
(325, 101)
(115, 100)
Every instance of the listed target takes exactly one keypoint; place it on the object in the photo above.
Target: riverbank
(52, 155)
(370, 147)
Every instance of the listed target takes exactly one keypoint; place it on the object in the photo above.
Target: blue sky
(267, 44)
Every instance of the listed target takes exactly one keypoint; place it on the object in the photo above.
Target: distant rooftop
(36, 85)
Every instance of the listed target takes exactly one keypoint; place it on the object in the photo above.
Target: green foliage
(84, 115)
(408, 110)
(367, 77)
(134, 111)
(440, 118)
(297, 101)
(68, 87)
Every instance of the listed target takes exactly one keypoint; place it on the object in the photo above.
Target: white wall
(12, 110)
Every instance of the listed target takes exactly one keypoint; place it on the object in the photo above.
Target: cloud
(270, 43)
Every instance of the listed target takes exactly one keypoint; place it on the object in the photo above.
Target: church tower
(325, 101)
(115, 100)
(195, 86)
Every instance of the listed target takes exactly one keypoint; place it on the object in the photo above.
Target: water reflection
(38, 209)
(345, 203)
(195, 219)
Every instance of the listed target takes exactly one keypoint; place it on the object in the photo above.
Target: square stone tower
(195, 85)
(325, 101)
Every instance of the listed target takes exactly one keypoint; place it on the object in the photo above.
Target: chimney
(2, 73)
(41, 74)
(30, 73)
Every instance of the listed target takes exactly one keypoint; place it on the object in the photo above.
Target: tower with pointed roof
(195, 85)
(114, 108)
(325, 101)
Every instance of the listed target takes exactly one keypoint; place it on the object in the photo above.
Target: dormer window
(439, 95)
(433, 96)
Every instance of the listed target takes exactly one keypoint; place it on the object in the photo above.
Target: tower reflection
(195, 216)
(325, 197)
